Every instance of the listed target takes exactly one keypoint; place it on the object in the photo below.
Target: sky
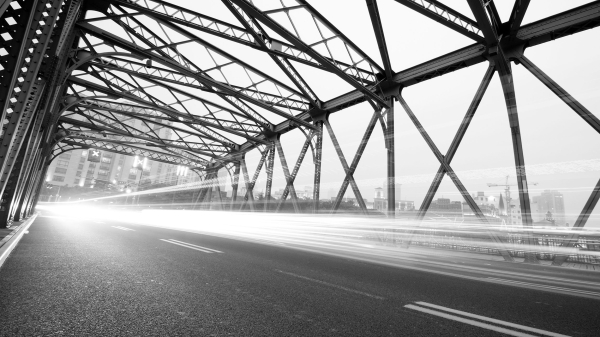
(561, 151)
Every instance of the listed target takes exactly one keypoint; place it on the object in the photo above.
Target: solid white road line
(492, 320)
(331, 285)
(12, 242)
(123, 228)
(196, 246)
(468, 321)
(187, 246)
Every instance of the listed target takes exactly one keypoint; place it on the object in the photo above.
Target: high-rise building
(73, 169)
(549, 205)
(398, 191)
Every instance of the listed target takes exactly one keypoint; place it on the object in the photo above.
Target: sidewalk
(9, 237)
(9, 232)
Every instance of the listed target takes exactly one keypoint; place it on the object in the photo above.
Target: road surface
(81, 277)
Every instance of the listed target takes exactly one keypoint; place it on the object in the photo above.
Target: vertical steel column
(318, 159)
(391, 161)
(11, 186)
(28, 186)
(210, 190)
(508, 88)
(23, 103)
(248, 196)
(234, 186)
(218, 190)
(270, 164)
(41, 179)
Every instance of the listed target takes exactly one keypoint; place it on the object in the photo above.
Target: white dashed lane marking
(479, 320)
(192, 246)
(123, 228)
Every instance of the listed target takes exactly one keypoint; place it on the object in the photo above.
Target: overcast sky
(561, 151)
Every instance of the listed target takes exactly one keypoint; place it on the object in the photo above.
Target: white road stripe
(534, 285)
(186, 246)
(492, 320)
(123, 228)
(331, 285)
(196, 246)
(468, 321)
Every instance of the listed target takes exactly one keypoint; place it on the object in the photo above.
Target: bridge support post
(268, 188)
(12, 185)
(28, 186)
(234, 185)
(318, 160)
(391, 161)
(506, 78)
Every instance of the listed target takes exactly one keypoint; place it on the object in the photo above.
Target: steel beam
(269, 185)
(446, 16)
(349, 170)
(234, 185)
(24, 102)
(380, 37)
(579, 109)
(464, 125)
(249, 196)
(516, 16)
(290, 183)
(391, 159)
(318, 162)
(459, 185)
(289, 179)
(267, 21)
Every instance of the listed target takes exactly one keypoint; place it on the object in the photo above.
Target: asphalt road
(90, 278)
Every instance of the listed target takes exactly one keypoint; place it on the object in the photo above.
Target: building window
(102, 173)
(133, 171)
(78, 174)
(105, 167)
(62, 163)
(80, 167)
(60, 170)
(58, 178)
(106, 160)
(66, 156)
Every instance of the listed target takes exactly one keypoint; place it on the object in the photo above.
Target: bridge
(218, 89)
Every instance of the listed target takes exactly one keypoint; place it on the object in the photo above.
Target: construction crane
(507, 193)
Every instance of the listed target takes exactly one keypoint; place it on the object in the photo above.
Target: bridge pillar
(270, 164)
(391, 161)
(234, 185)
(318, 160)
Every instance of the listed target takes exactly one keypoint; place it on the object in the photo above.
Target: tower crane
(507, 186)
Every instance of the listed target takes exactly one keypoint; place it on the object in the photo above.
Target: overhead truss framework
(156, 78)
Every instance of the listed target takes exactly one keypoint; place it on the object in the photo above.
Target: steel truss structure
(69, 83)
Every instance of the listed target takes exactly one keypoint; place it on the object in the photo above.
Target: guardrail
(546, 244)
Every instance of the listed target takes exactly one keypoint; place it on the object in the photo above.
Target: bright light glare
(373, 237)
